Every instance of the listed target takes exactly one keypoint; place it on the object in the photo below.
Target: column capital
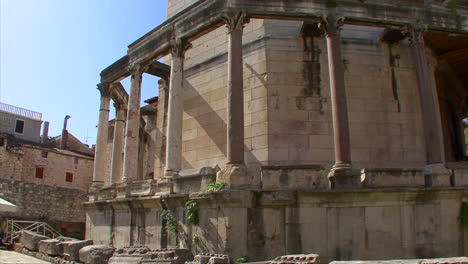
(332, 24)
(104, 89)
(235, 20)
(415, 32)
(137, 70)
(163, 83)
(179, 46)
(120, 106)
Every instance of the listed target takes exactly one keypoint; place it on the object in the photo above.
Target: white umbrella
(6, 206)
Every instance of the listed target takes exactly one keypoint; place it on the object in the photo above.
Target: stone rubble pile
(62, 250)
(136, 255)
(65, 250)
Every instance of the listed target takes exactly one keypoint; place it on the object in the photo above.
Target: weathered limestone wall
(383, 106)
(31, 130)
(20, 164)
(63, 207)
(377, 224)
(205, 92)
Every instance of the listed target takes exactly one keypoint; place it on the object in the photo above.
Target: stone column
(132, 131)
(102, 134)
(342, 174)
(117, 152)
(176, 109)
(234, 173)
(436, 174)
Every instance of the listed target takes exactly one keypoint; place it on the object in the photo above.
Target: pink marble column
(342, 174)
(235, 173)
(101, 141)
(176, 109)
(436, 173)
(132, 131)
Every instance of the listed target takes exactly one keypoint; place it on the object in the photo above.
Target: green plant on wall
(215, 187)
(171, 222)
(192, 211)
(332, 3)
(242, 260)
(453, 5)
(464, 215)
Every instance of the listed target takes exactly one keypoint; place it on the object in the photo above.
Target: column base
(343, 176)
(169, 176)
(93, 190)
(234, 175)
(437, 175)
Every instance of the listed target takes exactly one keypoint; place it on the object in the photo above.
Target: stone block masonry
(60, 206)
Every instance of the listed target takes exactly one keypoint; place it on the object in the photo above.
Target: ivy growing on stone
(192, 211)
(171, 222)
(215, 187)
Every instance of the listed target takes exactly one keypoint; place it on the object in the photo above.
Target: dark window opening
(40, 173)
(19, 126)
(44, 154)
(69, 177)
(2, 141)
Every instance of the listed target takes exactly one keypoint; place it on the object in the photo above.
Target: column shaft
(429, 106)
(102, 134)
(132, 130)
(176, 109)
(235, 98)
(117, 152)
(338, 95)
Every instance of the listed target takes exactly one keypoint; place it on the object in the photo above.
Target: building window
(75, 160)
(2, 141)
(19, 126)
(44, 154)
(40, 173)
(69, 177)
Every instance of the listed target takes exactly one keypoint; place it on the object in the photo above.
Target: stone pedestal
(235, 175)
(437, 175)
(344, 177)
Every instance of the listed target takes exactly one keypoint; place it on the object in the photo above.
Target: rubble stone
(30, 240)
(53, 247)
(137, 255)
(71, 248)
(296, 259)
(96, 254)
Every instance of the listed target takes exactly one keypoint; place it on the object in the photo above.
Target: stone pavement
(13, 257)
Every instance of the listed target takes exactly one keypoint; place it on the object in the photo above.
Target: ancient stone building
(46, 178)
(335, 127)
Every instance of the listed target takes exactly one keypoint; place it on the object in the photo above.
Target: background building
(47, 182)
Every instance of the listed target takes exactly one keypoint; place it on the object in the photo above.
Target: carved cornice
(235, 20)
(332, 24)
(179, 47)
(104, 89)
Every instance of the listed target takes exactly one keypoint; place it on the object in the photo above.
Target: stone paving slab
(13, 257)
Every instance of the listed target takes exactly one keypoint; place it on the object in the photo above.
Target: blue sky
(52, 52)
